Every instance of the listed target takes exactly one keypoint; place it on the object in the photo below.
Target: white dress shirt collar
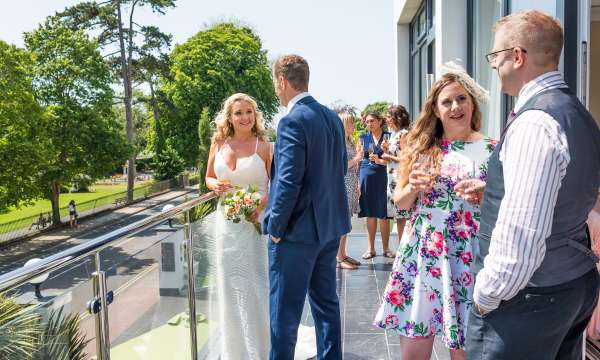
(295, 100)
(549, 80)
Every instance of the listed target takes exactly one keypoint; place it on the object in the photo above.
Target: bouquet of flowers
(242, 203)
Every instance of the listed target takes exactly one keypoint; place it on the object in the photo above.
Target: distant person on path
(73, 215)
(538, 282)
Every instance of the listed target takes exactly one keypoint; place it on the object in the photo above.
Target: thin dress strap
(256, 147)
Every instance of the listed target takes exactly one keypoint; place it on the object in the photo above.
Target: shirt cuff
(485, 302)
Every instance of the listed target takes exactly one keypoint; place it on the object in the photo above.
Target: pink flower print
(391, 320)
(468, 218)
(466, 278)
(428, 216)
(462, 234)
(431, 248)
(431, 296)
(444, 146)
(466, 257)
(395, 283)
(426, 200)
(459, 216)
(396, 297)
(436, 272)
(438, 240)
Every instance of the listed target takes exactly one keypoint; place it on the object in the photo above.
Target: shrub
(168, 164)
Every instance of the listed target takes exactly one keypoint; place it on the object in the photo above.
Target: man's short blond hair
(539, 34)
(294, 68)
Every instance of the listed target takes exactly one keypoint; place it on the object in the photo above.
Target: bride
(239, 157)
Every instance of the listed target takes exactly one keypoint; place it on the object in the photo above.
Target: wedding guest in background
(429, 290)
(398, 122)
(352, 188)
(538, 283)
(373, 184)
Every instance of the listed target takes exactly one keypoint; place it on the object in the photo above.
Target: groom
(306, 215)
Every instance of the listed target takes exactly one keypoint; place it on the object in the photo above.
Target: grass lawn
(44, 206)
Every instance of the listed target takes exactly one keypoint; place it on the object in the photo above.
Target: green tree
(72, 83)
(379, 107)
(21, 144)
(131, 39)
(213, 64)
(141, 121)
(205, 130)
(168, 163)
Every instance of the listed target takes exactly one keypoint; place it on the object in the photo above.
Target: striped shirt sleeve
(535, 158)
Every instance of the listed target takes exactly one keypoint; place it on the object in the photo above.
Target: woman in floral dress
(352, 189)
(398, 122)
(429, 291)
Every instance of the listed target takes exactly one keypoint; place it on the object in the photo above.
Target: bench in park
(41, 222)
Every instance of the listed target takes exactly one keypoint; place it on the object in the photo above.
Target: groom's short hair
(294, 69)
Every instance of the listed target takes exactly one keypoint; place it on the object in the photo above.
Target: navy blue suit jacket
(307, 199)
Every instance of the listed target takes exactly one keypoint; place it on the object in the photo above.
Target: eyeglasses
(493, 55)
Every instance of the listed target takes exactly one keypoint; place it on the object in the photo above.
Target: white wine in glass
(371, 150)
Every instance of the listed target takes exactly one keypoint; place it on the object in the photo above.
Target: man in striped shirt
(537, 284)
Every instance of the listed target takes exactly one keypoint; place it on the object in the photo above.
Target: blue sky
(348, 43)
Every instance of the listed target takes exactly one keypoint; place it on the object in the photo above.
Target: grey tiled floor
(360, 295)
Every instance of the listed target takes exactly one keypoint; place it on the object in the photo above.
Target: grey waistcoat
(567, 252)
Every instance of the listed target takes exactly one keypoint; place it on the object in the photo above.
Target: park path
(17, 254)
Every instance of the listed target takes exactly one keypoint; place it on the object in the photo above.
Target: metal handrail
(54, 262)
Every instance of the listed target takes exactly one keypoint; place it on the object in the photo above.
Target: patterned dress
(392, 171)
(351, 181)
(429, 291)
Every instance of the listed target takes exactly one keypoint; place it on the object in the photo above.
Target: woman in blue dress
(373, 184)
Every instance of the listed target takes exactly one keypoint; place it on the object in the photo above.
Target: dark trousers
(295, 270)
(538, 323)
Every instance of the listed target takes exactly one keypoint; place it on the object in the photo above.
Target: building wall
(404, 11)
(451, 44)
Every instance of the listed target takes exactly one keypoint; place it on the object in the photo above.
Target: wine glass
(426, 167)
(371, 149)
(386, 142)
(469, 178)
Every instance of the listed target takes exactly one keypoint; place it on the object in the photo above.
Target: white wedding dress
(240, 298)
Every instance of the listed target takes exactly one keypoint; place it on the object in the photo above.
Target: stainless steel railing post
(191, 284)
(104, 316)
(101, 318)
(98, 321)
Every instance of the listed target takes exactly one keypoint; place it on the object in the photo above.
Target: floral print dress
(392, 170)
(429, 291)
(351, 181)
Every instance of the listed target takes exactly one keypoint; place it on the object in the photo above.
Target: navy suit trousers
(296, 269)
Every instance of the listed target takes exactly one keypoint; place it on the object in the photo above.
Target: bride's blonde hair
(225, 128)
(426, 135)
